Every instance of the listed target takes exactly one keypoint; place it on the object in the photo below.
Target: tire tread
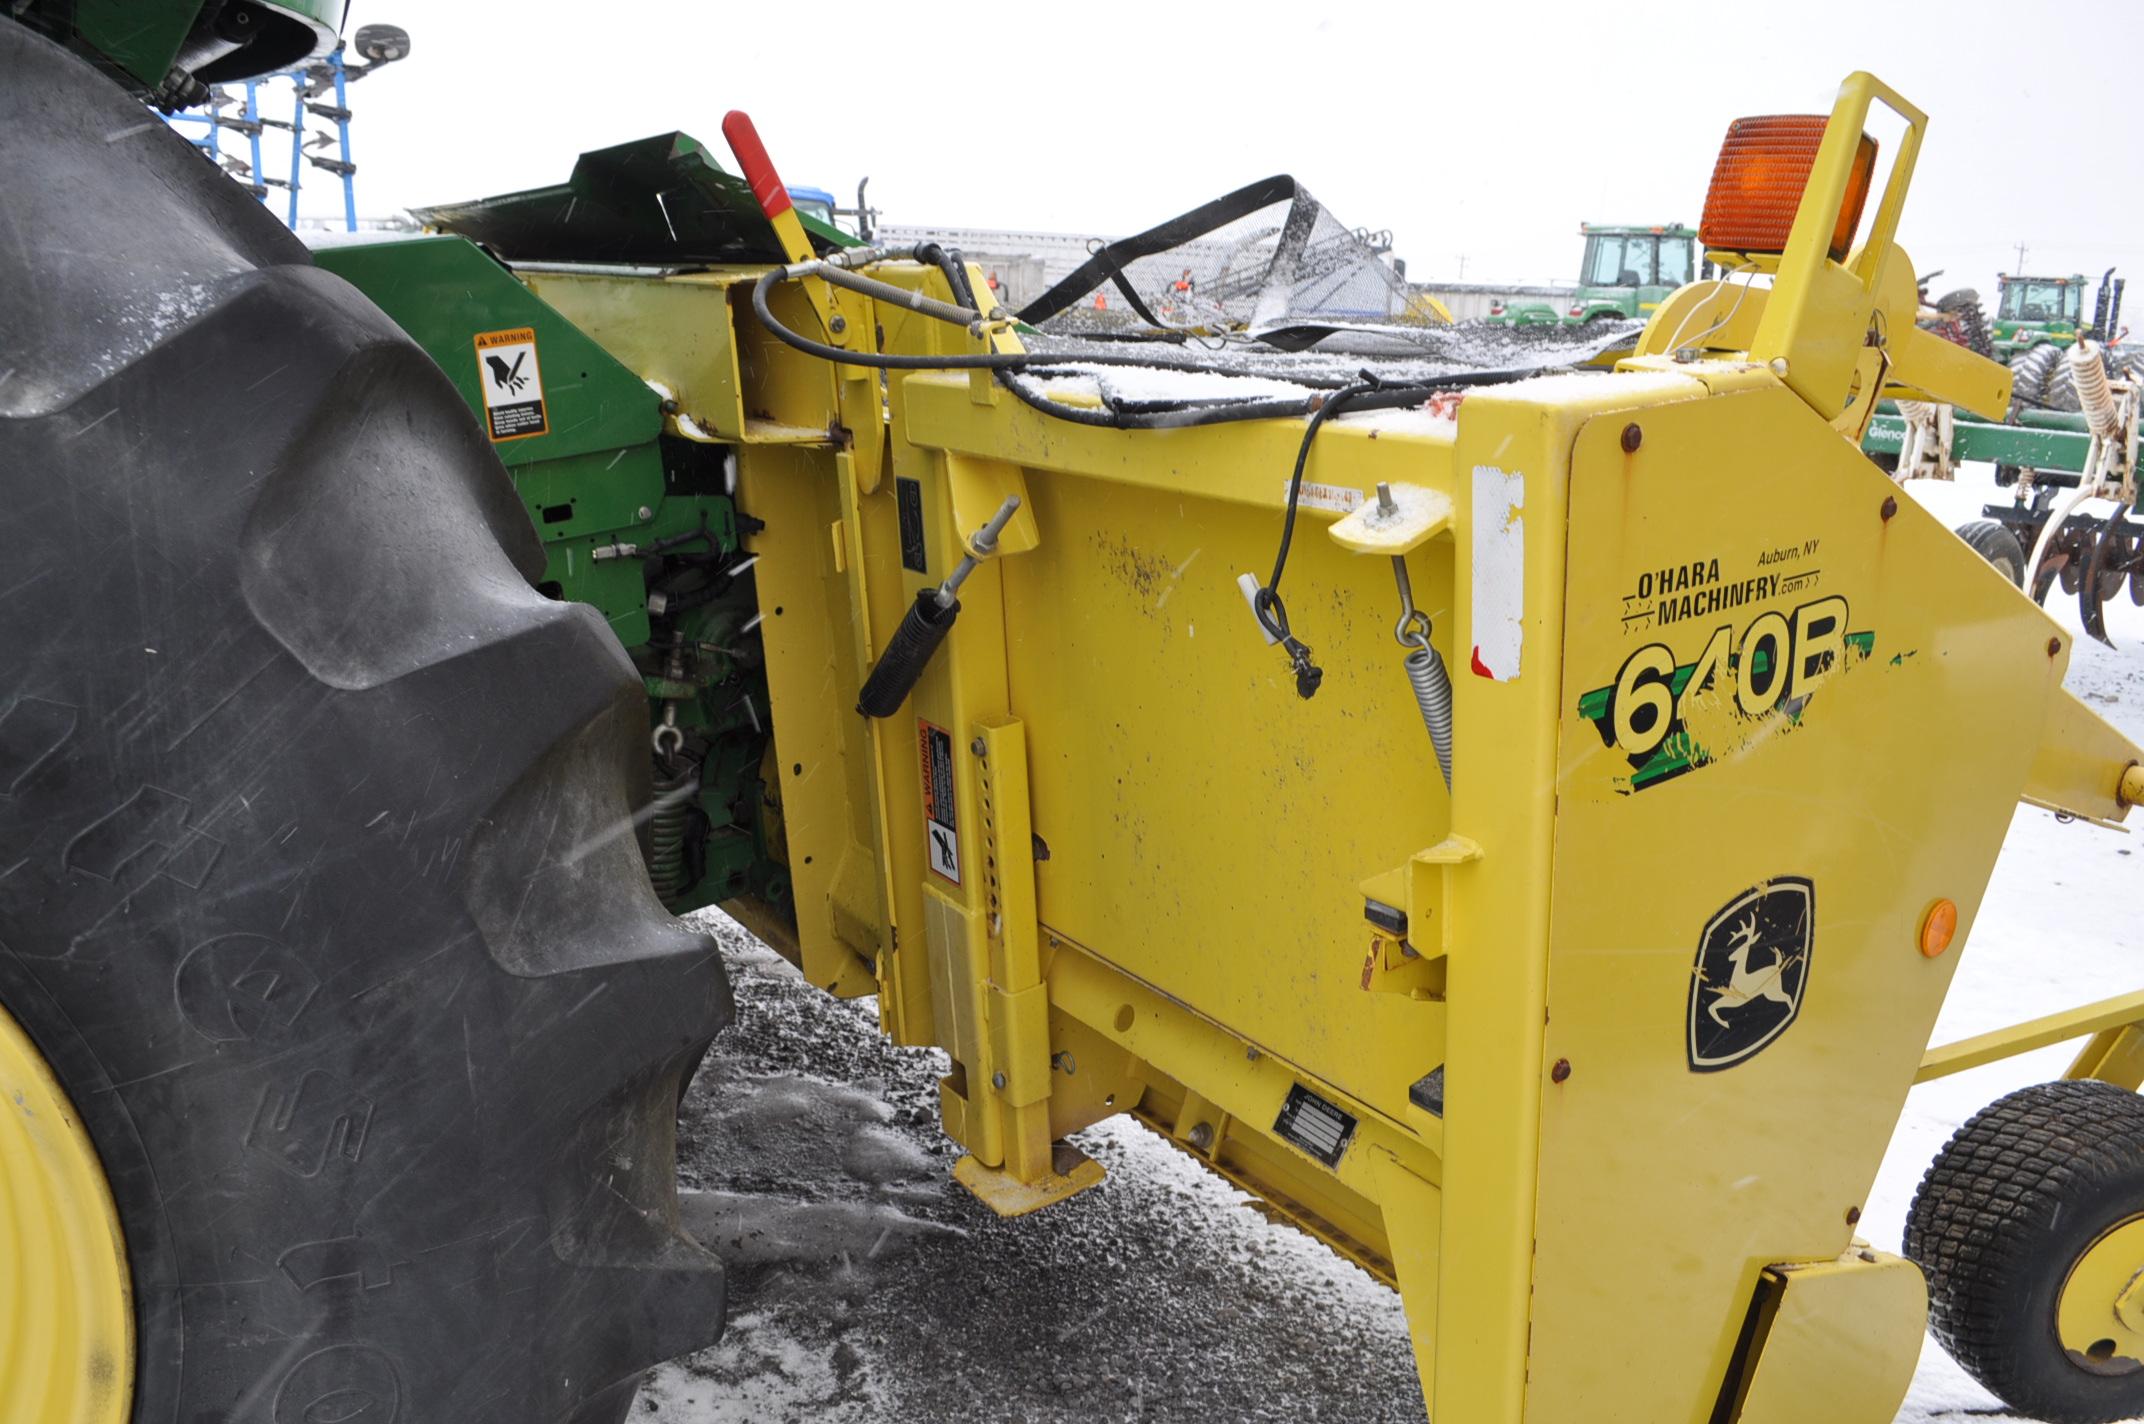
(1989, 1215)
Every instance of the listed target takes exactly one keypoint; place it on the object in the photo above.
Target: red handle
(758, 168)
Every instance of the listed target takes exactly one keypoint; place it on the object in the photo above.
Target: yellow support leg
(2115, 1055)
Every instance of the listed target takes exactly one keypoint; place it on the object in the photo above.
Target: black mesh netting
(1269, 270)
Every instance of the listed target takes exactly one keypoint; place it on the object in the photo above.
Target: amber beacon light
(1757, 185)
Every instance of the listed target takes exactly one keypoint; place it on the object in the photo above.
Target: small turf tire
(1995, 543)
(320, 898)
(2026, 1225)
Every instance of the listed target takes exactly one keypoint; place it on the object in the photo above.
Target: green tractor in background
(1627, 271)
(2039, 318)
(2035, 311)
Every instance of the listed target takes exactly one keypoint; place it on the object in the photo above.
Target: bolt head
(1202, 1136)
(1853, 1214)
(997, 1080)
(1561, 1071)
(645, 514)
(1890, 507)
(976, 746)
(838, 325)
(1633, 437)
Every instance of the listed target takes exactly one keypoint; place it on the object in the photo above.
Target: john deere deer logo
(1752, 966)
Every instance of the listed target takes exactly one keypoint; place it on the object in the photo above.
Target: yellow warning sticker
(512, 382)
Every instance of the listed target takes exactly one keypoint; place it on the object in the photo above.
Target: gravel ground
(865, 1286)
(1157, 1295)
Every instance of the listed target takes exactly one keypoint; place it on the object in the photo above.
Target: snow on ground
(865, 1287)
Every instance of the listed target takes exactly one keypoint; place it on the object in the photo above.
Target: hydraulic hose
(885, 361)
(1030, 361)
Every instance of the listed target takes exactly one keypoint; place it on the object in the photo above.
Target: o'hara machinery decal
(1713, 684)
(1678, 593)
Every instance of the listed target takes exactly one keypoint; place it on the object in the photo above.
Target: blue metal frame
(205, 130)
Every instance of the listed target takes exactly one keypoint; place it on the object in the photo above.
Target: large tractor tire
(2062, 385)
(318, 889)
(2031, 373)
(2030, 1228)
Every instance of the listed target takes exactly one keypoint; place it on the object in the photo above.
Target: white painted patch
(1499, 572)
(1250, 584)
(1336, 498)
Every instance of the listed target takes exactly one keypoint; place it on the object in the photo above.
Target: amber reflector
(1937, 927)
(1757, 185)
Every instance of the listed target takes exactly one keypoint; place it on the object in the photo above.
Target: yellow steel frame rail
(2111, 1056)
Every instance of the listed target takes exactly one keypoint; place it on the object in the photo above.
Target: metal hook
(1412, 631)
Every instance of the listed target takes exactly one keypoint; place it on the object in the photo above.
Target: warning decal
(513, 385)
(940, 820)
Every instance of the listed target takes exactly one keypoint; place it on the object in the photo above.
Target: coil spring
(1433, 694)
(668, 823)
(2097, 401)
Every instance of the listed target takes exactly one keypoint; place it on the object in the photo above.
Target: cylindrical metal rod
(984, 544)
(887, 292)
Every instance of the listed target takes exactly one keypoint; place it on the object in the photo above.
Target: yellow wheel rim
(2100, 1315)
(66, 1313)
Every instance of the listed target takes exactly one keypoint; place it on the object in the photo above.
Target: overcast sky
(1482, 132)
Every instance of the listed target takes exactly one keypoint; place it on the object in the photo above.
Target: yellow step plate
(1073, 1171)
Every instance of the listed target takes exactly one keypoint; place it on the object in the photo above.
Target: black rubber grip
(907, 655)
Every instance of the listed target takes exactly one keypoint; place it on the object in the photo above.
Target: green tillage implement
(2099, 547)
(634, 521)
(2043, 440)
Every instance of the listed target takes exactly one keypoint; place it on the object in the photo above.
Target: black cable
(1035, 360)
(1266, 605)
(956, 275)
